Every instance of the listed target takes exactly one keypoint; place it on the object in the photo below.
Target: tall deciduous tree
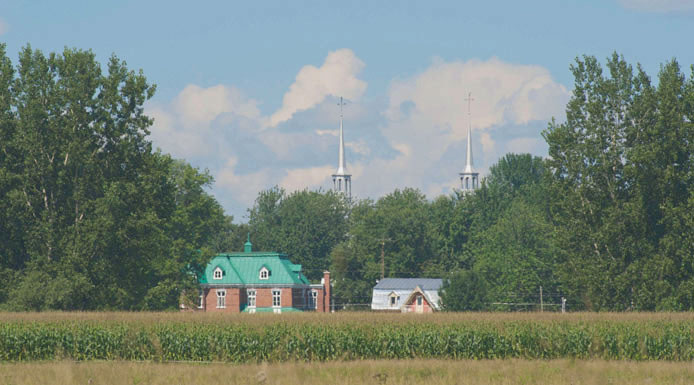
(621, 187)
(91, 217)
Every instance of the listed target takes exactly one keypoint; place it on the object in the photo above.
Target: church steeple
(469, 179)
(342, 181)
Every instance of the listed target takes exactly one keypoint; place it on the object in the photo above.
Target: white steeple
(342, 182)
(469, 179)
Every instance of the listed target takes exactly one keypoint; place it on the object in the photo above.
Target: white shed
(391, 293)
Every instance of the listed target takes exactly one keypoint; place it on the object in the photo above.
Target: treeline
(92, 218)
(606, 221)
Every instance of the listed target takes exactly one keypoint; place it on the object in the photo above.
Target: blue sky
(248, 89)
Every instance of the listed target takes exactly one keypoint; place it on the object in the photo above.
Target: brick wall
(233, 300)
(320, 301)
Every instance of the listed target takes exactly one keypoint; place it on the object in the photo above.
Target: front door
(419, 307)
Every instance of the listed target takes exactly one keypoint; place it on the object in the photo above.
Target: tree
(464, 290)
(306, 225)
(622, 167)
(91, 217)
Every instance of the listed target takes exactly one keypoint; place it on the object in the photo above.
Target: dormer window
(218, 273)
(264, 273)
(393, 299)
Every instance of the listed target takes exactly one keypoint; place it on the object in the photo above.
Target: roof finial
(248, 247)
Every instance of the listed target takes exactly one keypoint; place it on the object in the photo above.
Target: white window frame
(201, 303)
(420, 300)
(276, 298)
(264, 273)
(252, 294)
(313, 299)
(221, 298)
(218, 273)
(393, 300)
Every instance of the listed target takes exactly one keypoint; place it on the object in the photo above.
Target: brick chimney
(326, 288)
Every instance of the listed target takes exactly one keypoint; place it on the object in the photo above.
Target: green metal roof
(244, 268)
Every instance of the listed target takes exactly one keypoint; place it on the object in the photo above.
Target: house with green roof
(259, 281)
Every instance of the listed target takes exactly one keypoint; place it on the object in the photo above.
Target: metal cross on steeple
(341, 103)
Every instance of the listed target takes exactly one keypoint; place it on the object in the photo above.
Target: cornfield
(347, 339)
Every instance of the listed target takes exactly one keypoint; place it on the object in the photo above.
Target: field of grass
(430, 372)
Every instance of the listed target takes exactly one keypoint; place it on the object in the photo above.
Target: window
(201, 304)
(221, 298)
(276, 298)
(251, 298)
(313, 300)
(419, 300)
(264, 273)
(393, 299)
(218, 273)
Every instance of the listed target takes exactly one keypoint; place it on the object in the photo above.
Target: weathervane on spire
(342, 181)
(469, 179)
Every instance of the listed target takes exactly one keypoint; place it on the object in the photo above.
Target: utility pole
(541, 304)
(383, 261)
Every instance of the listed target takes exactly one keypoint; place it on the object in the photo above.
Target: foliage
(621, 187)
(90, 216)
(304, 224)
(464, 290)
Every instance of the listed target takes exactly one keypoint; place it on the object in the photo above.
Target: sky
(249, 89)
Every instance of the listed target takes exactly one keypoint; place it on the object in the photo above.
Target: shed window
(218, 273)
(419, 300)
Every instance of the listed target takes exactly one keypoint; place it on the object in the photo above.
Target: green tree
(91, 217)
(464, 290)
(621, 167)
(306, 225)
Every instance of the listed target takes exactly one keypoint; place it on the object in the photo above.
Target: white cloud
(200, 106)
(244, 187)
(185, 126)
(327, 132)
(502, 93)
(427, 117)
(359, 147)
(4, 27)
(663, 6)
(415, 139)
(310, 177)
(523, 145)
(337, 77)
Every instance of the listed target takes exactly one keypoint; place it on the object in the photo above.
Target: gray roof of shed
(409, 283)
